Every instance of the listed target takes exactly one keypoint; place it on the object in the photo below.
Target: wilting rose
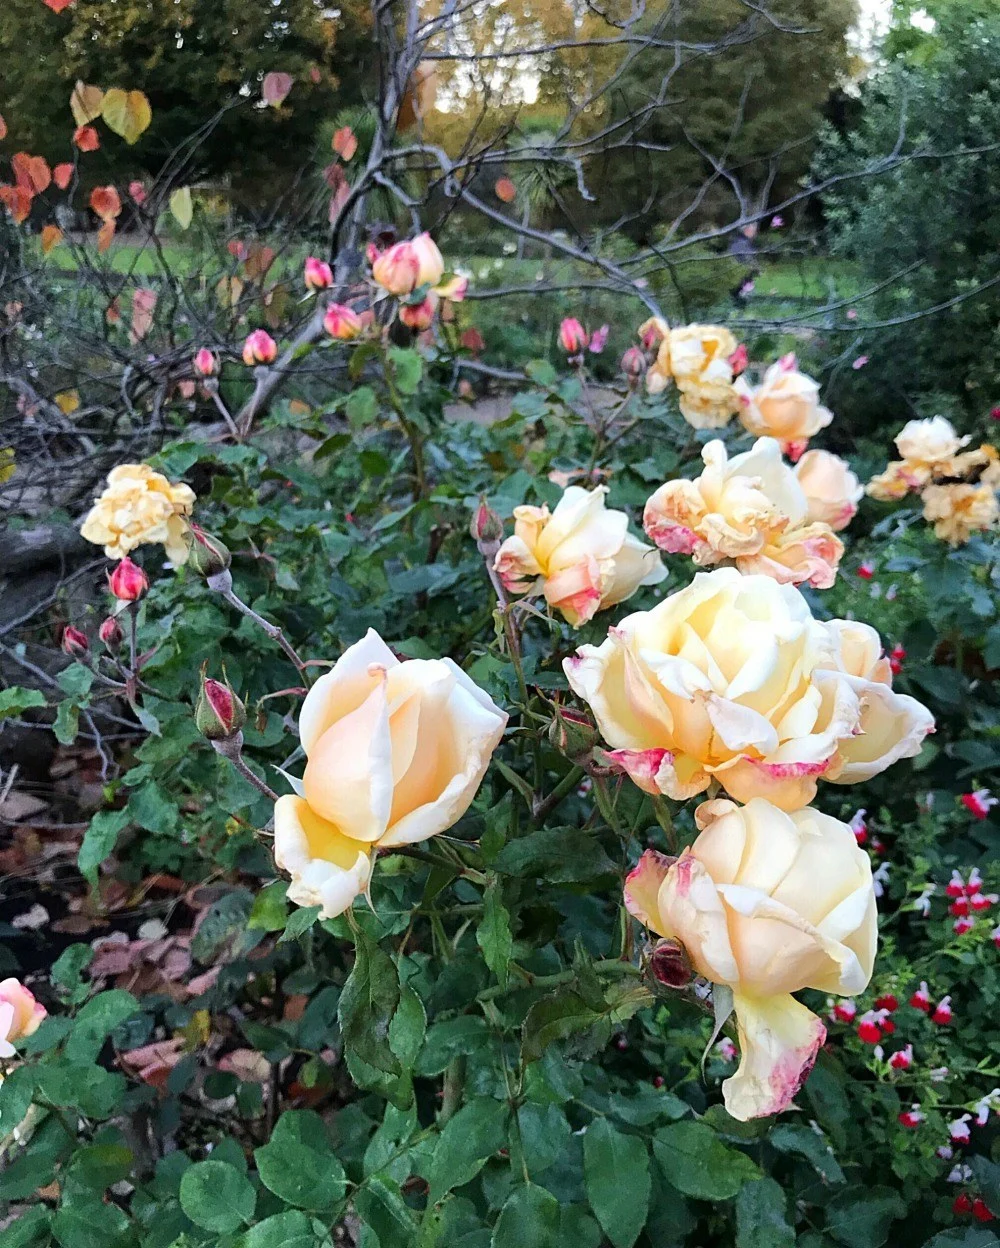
(831, 489)
(731, 679)
(581, 556)
(259, 348)
(957, 510)
(766, 903)
(342, 322)
(749, 509)
(700, 366)
(785, 406)
(394, 754)
(140, 506)
(318, 274)
(20, 1014)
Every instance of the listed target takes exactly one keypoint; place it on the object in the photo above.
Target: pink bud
(419, 316)
(572, 336)
(318, 274)
(205, 363)
(795, 448)
(633, 363)
(777, 221)
(128, 582)
(138, 192)
(398, 269)
(739, 359)
(342, 322)
(599, 339)
(111, 634)
(259, 348)
(486, 524)
(219, 713)
(74, 642)
(860, 362)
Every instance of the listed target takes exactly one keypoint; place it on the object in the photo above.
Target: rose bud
(318, 274)
(419, 316)
(633, 364)
(205, 363)
(111, 634)
(571, 733)
(208, 555)
(342, 322)
(572, 336)
(219, 713)
(74, 642)
(259, 348)
(599, 339)
(486, 525)
(128, 582)
(397, 270)
(430, 264)
(669, 964)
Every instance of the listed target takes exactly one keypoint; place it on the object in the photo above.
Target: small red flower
(902, 1059)
(955, 886)
(911, 1117)
(981, 1210)
(921, 999)
(869, 1031)
(887, 1002)
(980, 803)
(942, 1012)
(867, 570)
(962, 1204)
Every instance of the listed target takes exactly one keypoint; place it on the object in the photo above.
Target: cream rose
(700, 365)
(749, 509)
(732, 680)
(785, 406)
(928, 443)
(395, 752)
(581, 556)
(766, 903)
(140, 506)
(20, 1015)
(831, 489)
(958, 510)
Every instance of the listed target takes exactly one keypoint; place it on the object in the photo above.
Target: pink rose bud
(74, 642)
(342, 322)
(419, 316)
(128, 582)
(669, 964)
(430, 265)
(111, 634)
(633, 364)
(205, 363)
(572, 336)
(259, 348)
(397, 270)
(318, 274)
(995, 413)
(218, 714)
(26, 1013)
(599, 339)
(739, 359)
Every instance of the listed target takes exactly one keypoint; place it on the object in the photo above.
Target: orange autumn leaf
(87, 139)
(17, 202)
(113, 312)
(3, 128)
(143, 307)
(104, 236)
(62, 176)
(106, 203)
(258, 262)
(31, 172)
(345, 144)
(505, 190)
(68, 401)
(85, 103)
(51, 237)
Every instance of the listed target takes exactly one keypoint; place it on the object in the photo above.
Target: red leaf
(62, 175)
(345, 144)
(505, 190)
(57, 6)
(87, 139)
(276, 88)
(104, 236)
(105, 201)
(17, 201)
(31, 173)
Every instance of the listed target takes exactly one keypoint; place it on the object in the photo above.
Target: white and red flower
(979, 803)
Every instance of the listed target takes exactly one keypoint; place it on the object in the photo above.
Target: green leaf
(543, 1134)
(67, 723)
(367, 1005)
(14, 701)
(616, 1172)
(298, 1163)
(407, 369)
(695, 1161)
(529, 1217)
(16, 1092)
(291, 1229)
(449, 1039)
(90, 1223)
(96, 1021)
(99, 840)
(561, 1014)
(812, 1146)
(862, 1217)
(559, 855)
(493, 935)
(29, 1231)
(361, 407)
(100, 1165)
(299, 922)
(761, 1216)
(151, 808)
(475, 1133)
(964, 1237)
(408, 1028)
(269, 909)
(381, 1206)
(216, 1197)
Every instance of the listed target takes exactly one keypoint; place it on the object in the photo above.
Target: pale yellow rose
(699, 362)
(581, 556)
(928, 443)
(958, 510)
(732, 680)
(20, 1014)
(899, 479)
(708, 407)
(785, 406)
(766, 903)
(395, 752)
(140, 506)
(831, 489)
(749, 509)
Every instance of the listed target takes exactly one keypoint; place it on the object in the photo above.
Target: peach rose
(785, 406)
(766, 903)
(395, 752)
(831, 489)
(732, 680)
(137, 507)
(20, 1014)
(581, 556)
(957, 510)
(749, 509)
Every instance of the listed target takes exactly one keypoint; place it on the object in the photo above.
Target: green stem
(566, 785)
(454, 1085)
(610, 968)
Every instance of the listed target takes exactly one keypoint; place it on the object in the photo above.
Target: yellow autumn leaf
(7, 464)
(228, 291)
(51, 237)
(86, 103)
(68, 401)
(181, 207)
(127, 113)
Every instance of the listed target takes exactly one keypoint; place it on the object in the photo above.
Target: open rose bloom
(831, 489)
(140, 506)
(785, 406)
(749, 509)
(395, 752)
(958, 510)
(732, 680)
(927, 448)
(581, 556)
(701, 368)
(20, 1015)
(766, 903)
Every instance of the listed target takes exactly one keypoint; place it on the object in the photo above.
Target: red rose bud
(259, 348)
(219, 713)
(669, 964)
(572, 336)
(209, 555)
(633, 364)
(205, 363)
(128, 582)
(318, 274)
(486, 525)
(74, 642)
(111, 634)
(572, 733)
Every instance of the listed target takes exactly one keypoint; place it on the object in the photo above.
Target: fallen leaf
(57, 6)
(505, 190)
(127, 113)
(105, 235)
(345, 144)
(276, 88)
(85, 103)
(182, 207)
(62, 175)
(87, 139)
(31, 172)
(152, 1063)
(68, 401)
(143, 307)
(106, 202)
(246, 1064)
(51, 237)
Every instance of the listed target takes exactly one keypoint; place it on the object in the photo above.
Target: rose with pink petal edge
(20, 1014)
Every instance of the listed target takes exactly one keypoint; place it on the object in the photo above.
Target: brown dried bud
(669, 964)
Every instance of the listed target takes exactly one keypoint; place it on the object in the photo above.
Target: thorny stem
(273, 631)
(544, 807)
(232, 749)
